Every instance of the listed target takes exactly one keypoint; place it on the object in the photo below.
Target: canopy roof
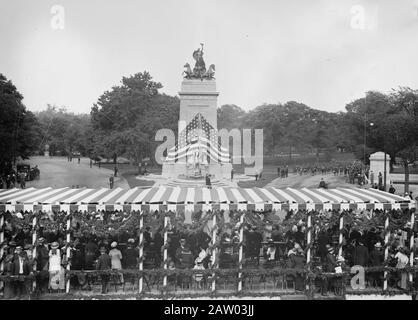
(173, 197)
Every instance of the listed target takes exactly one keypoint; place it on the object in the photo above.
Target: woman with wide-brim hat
(116, 257)
(55, 268)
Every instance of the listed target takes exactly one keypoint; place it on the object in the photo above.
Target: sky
(323, 53)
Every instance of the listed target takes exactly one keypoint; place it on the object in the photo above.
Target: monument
(46, 152)
(198, 151)
(377, 165)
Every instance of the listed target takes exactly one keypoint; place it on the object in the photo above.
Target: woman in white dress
(55, 269)
(116, 257)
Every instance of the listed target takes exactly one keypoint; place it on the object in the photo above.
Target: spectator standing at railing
(21, 267)
(323, 241)
(402, 262)
(8, 292)
(253, 241)
(116, 258)
(90, 254)
(361, 254)
(130, 255)
(298, 261)
(271, 255)
(329, 267)
(55, 266)
(104, 264)
(376, 259)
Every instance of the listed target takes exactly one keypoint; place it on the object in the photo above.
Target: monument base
(181, 171)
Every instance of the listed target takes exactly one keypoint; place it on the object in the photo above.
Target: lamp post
(371, 124)
(384, 171)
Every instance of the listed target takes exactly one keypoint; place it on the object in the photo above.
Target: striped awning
(172, 198)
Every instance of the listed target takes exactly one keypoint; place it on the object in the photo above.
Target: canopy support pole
(214, 252)
(241, 244)
(411, 246)
(68, 250)
(34, 240)
(141, 251)
(387, 234)
(166, 217)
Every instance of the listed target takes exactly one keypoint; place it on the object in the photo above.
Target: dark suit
(361, 255)
(104, 263)
(298, 261)
(42, 258)
(376, 259)
(21, 267)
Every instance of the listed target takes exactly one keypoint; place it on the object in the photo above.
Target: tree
(65, 132)
(230, 117)
(126, 118)
(19, 129)
(395, 129)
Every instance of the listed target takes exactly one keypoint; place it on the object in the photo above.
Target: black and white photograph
(224, 151)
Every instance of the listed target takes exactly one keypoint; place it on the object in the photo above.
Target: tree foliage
(19, 129)
(63, 131)
(126, 118)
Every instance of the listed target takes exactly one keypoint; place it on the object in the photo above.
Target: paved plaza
(57, 172)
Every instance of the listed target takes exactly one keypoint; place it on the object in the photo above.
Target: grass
(130, 172)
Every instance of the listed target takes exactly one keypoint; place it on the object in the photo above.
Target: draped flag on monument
(198, 136)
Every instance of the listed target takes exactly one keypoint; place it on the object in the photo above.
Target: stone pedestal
(198, 96)
(377, 164)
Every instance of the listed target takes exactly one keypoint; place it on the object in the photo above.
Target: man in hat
(42, 258)
(330, 261)
(329, 266)
(184, 255)
(130, 255)
(111, 181)
(361, 254)
(253, 240)
(104, 264)
(376, 259)
(21, 267)
(392, 190)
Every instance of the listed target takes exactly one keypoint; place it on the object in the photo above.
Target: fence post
(166, 217)
(411, 247)
(387, 234)
(214, 252)
(308, 251)
(34, 239)
(68, 251)
(340, 239)
(241, 244)
(141, 250)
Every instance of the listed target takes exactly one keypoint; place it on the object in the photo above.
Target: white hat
(114, 244)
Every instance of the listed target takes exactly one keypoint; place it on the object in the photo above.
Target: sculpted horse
(188, 72)
(210, 72)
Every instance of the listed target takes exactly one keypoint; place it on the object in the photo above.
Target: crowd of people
(268, 246)
(17, 178)
(354, 172)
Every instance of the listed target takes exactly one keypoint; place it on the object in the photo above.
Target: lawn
(130, 172)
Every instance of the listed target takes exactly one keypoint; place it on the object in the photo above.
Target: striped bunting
(176, 198)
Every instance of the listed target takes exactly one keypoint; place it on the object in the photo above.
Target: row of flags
(198, 142)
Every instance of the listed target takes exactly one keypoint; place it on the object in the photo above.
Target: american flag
(199, 135)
